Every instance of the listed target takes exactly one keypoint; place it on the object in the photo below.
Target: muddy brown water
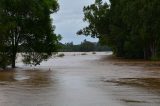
(81, 80)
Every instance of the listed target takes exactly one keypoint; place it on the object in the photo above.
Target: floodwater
(82, 80)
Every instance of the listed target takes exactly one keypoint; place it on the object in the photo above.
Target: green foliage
(4, 60)
(155, 58)
(26, 25)
(129, 27)
(85, 46)
(34, 58)
(97, 17)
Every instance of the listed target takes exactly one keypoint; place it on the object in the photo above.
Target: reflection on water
(25, 87)
(7, 76)
(32, 78)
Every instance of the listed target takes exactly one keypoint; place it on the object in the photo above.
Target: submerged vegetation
(83, 53)
(25, 25)
(61, 55)
(129, 27)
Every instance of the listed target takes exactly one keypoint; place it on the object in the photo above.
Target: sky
(69, 19)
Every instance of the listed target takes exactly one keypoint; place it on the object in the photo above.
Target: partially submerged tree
(27, 24)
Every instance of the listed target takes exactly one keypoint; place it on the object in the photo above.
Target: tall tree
(97, 17)
(131, 27)
(27, 23)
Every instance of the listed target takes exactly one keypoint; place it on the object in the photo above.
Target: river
(82, 80)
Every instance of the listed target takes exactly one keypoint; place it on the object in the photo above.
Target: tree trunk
(14, 54)
(14, 60)
(153, 49)
(144, 54)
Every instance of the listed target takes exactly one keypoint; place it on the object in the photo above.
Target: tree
(87, 46)
(131, 27)
(28, 24)
(97, 17)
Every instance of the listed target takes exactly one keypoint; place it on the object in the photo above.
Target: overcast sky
(69, 19)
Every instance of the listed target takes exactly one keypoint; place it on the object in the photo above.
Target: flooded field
(79, 79)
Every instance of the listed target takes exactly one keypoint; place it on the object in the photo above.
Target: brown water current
(82, 80)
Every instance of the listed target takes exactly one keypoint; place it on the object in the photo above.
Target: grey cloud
(70, 19)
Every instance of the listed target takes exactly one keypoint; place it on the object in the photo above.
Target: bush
(4, 61)
(84, 54)
(34, 58)
(93, 52)
(61, 55)
(155, 58)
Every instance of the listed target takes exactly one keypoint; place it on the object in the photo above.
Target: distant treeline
(130, 27)
(85, 46)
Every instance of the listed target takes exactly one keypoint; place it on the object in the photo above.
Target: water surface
(80, 80)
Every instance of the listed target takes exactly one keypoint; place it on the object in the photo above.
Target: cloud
(69, 19)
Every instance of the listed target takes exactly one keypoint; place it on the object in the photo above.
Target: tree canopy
(26, 25)
(97, 17)
(129, 27)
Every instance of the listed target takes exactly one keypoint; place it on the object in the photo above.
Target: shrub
(93, 52)
(84, 54)
(61, 55)
(4, 61)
